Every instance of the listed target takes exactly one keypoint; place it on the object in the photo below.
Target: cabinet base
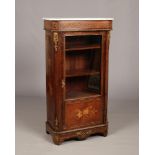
(80, 134)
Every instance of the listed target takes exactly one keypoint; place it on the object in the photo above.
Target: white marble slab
(77, 19)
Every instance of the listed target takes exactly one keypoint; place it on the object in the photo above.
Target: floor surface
(31, 138)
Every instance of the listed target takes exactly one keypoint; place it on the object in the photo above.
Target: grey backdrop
(30, 45)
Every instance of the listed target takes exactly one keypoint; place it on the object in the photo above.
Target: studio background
(123, 75)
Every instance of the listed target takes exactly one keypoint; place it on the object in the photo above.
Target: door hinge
(63, 84)
(55, 40)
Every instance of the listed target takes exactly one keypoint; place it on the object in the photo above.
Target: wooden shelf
(76, 73)
(83, 47)
(78, 94)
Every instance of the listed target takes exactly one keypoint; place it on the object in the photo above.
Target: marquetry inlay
(86, 112)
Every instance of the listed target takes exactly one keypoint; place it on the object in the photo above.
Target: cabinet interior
(82, 66)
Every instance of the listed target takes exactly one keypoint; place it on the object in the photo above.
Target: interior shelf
(76, 94)
(80, 72)
(83, 47)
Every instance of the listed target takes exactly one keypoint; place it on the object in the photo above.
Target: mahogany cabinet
(77, 77)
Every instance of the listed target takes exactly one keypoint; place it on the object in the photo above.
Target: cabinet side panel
(107, 41)
(58, 78)
(54, 77)
(49, 78)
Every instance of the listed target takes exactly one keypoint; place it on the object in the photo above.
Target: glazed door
(83, 78)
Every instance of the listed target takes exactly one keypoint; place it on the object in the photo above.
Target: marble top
(78, 19)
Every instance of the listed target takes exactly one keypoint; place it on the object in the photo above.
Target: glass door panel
(82, 66)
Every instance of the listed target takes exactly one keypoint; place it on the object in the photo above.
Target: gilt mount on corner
(77, 77)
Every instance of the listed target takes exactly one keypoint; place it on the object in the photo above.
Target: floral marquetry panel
(83, 112)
